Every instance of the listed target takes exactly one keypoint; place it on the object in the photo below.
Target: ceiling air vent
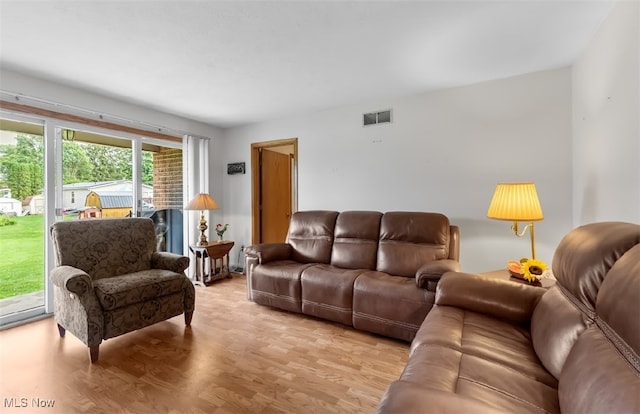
(373, 118)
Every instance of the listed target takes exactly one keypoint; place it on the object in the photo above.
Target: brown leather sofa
(374, 271)
(496, 346)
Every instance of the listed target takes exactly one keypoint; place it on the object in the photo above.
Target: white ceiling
(228, 63)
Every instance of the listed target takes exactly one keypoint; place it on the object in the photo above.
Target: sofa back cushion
(105, 247)
(602, 372)
(355, 243)
(582, 261)
(409, 239)
(311, 236)
(585, 256)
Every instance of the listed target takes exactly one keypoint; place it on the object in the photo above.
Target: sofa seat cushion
(327, 292)
(480, 358)
(119, 291)
(277, 284)
(411, 398)
(389, 305)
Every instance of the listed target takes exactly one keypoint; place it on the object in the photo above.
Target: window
(132, 174)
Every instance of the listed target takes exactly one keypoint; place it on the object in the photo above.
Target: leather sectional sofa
(492, 345)
(374, 271)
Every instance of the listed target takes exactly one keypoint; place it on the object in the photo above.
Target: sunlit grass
(22, 256)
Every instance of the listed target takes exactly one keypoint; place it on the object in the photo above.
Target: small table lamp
(202, 201)
(517, 202)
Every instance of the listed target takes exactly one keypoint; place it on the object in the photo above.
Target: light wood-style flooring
(238, 357)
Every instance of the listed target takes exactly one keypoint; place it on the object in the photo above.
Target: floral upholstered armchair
(109, 279)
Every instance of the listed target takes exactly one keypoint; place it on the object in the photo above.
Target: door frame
(41, 311)
(255, 181)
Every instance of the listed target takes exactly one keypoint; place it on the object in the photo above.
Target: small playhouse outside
(108, 203)
(111, 199)
(33, 204)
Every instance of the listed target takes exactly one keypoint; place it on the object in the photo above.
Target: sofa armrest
(169, 261)
(429, 274)
(72, 280)
(502, 299)
(269, 252)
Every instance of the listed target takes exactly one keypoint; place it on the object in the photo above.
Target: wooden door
(275, 194)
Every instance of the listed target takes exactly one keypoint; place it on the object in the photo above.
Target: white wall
(444, 152)
(19, 83)
(606, 121)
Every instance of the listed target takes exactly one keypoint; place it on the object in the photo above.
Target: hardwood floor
(238, 357)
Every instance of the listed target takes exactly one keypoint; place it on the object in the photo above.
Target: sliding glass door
(106, 176)
(52, 170)
(22, 225)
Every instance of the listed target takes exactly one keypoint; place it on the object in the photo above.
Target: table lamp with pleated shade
(202, 202)
(517, 202)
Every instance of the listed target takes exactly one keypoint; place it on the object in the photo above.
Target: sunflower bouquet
(531, 270)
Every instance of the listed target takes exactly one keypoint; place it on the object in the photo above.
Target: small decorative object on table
(531, 270)
(220, 229)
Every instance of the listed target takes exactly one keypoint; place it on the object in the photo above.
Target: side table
(504, 274)
(215, 251)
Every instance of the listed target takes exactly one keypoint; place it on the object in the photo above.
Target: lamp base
(529, 226)
(203, 227)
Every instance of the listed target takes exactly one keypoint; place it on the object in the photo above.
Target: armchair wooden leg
(187, 318)
(93, 353)
(61, 330)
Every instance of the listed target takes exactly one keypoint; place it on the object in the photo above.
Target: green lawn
(22, 256)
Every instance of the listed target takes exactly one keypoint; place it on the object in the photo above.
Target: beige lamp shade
(515, 202)
(202, 201)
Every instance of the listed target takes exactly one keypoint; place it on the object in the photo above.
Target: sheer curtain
(195, 165)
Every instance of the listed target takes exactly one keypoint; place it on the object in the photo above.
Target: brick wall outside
(167, 179)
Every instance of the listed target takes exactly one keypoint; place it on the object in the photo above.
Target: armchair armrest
(495, 297)
(169, 261)
(76, 306)
(429, 274)
(269, 252)
(72, 280)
